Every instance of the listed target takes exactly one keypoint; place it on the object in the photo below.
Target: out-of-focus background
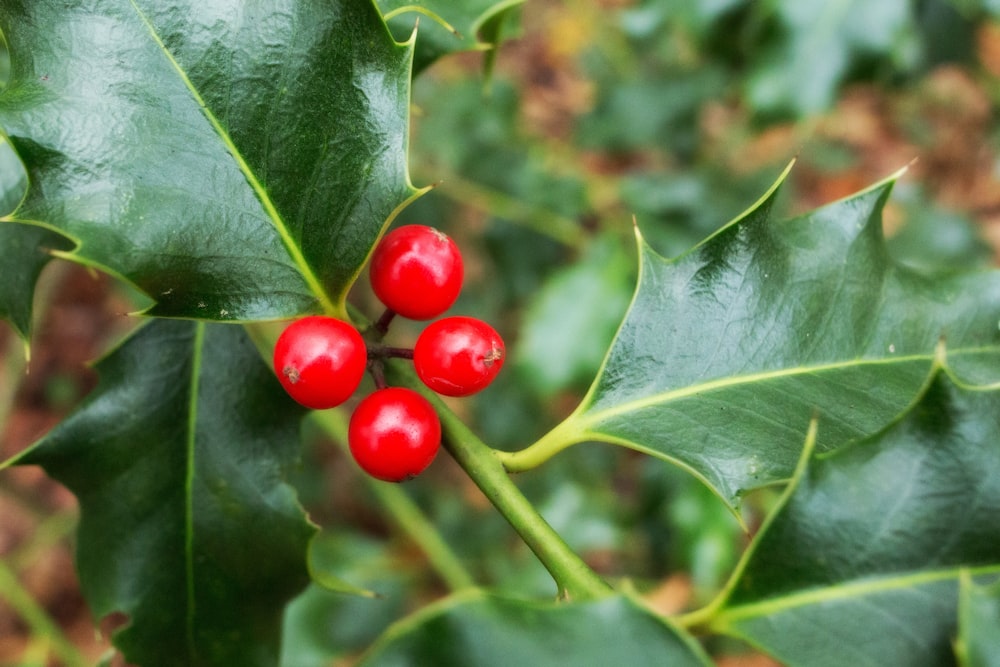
(678, 114)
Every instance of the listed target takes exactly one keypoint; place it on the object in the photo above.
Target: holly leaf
(187, 527)
(26, 248)
(861, 562)
(449, 26)
(474, 628)
(233, 162)
(728, 350)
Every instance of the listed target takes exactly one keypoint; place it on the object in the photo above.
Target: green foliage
(182, 148)
(764, 325)
(790, 58)
(25, 247)
(878, 535)
(979, 616)
(449, 27)
(178, 460)
(553, 366)
(476, 629)
(822, 41)
(831, 393)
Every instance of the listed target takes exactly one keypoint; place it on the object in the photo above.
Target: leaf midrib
(313, 282)
(587, 419)
(727, 617)
(189, 475)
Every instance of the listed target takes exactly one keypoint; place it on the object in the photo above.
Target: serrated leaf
(26, 251)
(483, 630)
(861, 563)
(25, 248)
(978, 643)
(728, 350)
(187, 527)
(471, 25)
(234, 162)
(13, 178)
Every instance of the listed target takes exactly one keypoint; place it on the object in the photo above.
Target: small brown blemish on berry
(291, 373)
(496, 354)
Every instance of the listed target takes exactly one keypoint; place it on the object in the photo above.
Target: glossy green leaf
(728, 350)
(861, 564)
(978, 643)
(478, 629)
(448, 26)
(233, 161)
(187, 527)
(13, 178)
(24, 248)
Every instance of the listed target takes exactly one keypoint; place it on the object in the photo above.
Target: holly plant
(243, 168)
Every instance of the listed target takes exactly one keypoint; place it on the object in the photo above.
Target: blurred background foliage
(676, 114)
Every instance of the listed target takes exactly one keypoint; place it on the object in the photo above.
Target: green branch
(572, 575)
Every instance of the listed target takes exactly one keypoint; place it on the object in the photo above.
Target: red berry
(416, 271)
(320, 361)
(394, 434)
(458, 356)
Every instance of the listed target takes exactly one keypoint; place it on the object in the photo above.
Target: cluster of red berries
(394, 433)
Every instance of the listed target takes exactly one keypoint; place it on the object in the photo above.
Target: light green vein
(279, 224)
(192, 433)
(725, 619)
(583, 423)
(598, 416)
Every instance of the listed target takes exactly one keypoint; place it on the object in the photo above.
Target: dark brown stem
(383, 322)
(386, 351)
(376, 367)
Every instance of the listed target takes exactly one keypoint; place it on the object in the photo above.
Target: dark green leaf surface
(482, 630)
(187, 527)
(474, 22)
(728, 350)
(13, 178)
(861, 565)
(978, 642)
(24, 248)
(232, 161)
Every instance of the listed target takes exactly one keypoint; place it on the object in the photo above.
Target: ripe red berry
(458, 356)
(320, 361)
(416, 271)
(394, 434)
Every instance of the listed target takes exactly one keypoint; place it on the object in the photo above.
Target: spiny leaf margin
(187, 525)
(866, 551)
(241, 172)
(728, 350)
